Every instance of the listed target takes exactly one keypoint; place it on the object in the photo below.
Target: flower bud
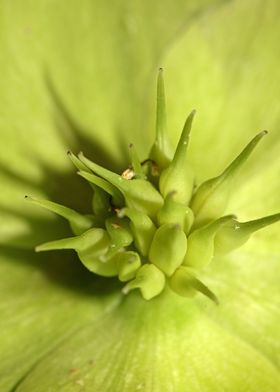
(185, 283)
(78, 222)
(141, 218)
(149, 279)
(142, 227)
(175, 213)
(168, 248)
(128, 264)
(211, 198)
(91, 248)
(201, 244)
(178, 176)
(234, 234)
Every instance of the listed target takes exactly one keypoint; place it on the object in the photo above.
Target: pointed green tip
(263, 133)
(243, 156)
(39, 248)
(191, 115)
(180, 153)
(179, 175)
(212, 196)
(161, 151)
(77, 162)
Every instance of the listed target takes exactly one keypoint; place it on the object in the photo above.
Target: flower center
(150, 226)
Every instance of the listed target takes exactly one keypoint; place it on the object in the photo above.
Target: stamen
(128, 174)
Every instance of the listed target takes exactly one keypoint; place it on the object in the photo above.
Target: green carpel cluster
(149, 227)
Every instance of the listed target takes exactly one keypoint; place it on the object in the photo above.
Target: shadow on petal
(61, 186)
(64, 270)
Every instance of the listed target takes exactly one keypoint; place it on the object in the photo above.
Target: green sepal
(91, 248)
(119, 231)
(128, 264)
(116, 195)
(175, 213)
(161, 151)
(235, 234)
(178, 176)
(149, 279)
(211, 198)
(139, 194)
(79, 223)
(142, 227)
(201, 243)
(185, 283)
(168, 248)
(136, 164)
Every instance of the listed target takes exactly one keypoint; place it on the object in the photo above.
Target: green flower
(79, 76)
(150, 226)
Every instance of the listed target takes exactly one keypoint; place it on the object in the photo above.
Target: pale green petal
(44, 300)
(226, 65)
(247, 284)
(163, 345)
(160, 345)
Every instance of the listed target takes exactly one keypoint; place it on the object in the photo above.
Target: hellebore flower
(79, 76)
